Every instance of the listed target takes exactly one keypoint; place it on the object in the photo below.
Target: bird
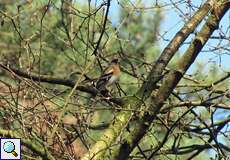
(110, 75)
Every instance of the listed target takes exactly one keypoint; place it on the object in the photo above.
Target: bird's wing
(103, 80)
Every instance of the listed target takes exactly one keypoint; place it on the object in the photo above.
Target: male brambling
(110, 76)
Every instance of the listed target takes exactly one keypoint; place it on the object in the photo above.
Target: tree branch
(49, 79)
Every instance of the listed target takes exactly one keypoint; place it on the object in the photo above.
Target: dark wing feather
(103, 80)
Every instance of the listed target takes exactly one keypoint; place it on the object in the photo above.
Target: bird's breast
(112, 80)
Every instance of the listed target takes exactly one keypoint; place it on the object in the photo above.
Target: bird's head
(114, 61)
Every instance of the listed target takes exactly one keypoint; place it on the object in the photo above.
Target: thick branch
(158, 67)
(172, 79)
(49, 79)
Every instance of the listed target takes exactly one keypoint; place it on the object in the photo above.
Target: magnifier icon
(9, 147)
